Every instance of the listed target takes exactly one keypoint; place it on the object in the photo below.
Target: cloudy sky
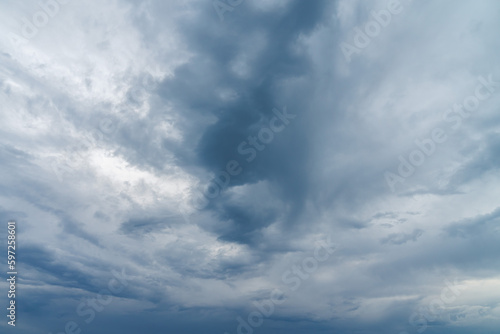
(251, 166)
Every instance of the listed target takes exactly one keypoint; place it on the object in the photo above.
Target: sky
(251, 166)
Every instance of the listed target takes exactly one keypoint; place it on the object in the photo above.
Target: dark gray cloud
(401, 238)
(118, 116)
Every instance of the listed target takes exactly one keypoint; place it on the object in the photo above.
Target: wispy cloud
(207, 157)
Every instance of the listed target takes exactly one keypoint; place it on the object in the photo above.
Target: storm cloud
(187, 166)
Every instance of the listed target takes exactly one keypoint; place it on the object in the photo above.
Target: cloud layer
(204, 156)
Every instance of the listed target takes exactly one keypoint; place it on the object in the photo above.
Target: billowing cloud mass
(251, 166)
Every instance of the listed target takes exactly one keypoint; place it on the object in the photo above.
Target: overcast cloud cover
(368, 202)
